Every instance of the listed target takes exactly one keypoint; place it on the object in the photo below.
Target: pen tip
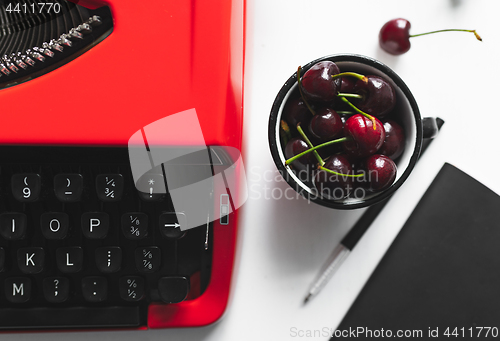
(307, 298)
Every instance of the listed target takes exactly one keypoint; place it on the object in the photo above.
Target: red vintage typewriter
(103, 104)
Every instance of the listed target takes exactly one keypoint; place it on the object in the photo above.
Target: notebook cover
(442, 270)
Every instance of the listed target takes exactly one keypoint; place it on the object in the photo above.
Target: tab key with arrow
(173, 225)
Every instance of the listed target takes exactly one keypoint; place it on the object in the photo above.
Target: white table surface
(284, 242)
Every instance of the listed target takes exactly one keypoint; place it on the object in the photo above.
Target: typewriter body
(88, 93)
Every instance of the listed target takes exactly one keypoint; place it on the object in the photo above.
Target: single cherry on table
(394, 36)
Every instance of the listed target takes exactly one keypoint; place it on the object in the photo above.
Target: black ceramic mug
(408, 116)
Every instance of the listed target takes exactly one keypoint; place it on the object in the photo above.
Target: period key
(94, 288)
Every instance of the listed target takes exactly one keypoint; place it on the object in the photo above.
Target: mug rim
(273, 121)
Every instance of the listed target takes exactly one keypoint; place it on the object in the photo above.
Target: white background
(284, 242)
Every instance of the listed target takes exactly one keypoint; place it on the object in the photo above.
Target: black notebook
(441, 274)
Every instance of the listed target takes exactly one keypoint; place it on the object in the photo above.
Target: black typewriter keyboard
(81, 247)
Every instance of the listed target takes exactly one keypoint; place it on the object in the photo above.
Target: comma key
(55, 289)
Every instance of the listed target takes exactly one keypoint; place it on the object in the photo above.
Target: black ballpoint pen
(342, 250)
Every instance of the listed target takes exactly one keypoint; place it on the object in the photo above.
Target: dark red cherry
(346, 85)
(296, 146)
(381, 172)
(394, 142)
(379, 97)
(328, 151)
(296, 112)
(318, 84)
(334, 186)
(363, 140)
(394, 36)
(325, 152)
(325, 125)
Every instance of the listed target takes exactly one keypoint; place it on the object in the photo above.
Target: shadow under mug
(405, 113)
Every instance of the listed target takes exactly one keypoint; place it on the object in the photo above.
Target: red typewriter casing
(163, 57)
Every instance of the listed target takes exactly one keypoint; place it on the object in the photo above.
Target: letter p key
(95, 225)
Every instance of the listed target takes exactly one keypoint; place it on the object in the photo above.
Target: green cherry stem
(309, 143)
(345, 112)
(352, 74)
(313, 149)
(368, 116)
(341, 174)
(299, 81)
(341, 94)
(448, 30)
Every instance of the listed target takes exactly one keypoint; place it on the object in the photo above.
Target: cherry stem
(349, 95)
(345, 112)
(352, 74)
(299, 69)
(368, 116)
(448, 30)
(309, 143)
(341, 174)
(313, 149)
(286, 134)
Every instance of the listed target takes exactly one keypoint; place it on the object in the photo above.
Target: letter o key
(55, 225)
(54, 222)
